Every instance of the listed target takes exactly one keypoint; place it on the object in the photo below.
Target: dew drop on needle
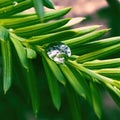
(58, 52)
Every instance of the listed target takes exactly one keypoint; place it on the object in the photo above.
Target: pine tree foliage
(94, 61)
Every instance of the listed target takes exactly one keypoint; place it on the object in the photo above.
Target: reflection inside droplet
(15, 3)
(58, 52)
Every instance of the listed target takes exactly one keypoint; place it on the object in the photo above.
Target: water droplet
(15, 3)
(58, 52)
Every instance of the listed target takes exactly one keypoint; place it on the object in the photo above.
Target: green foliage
(90, 66)
(6, 53)
(53, 86)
